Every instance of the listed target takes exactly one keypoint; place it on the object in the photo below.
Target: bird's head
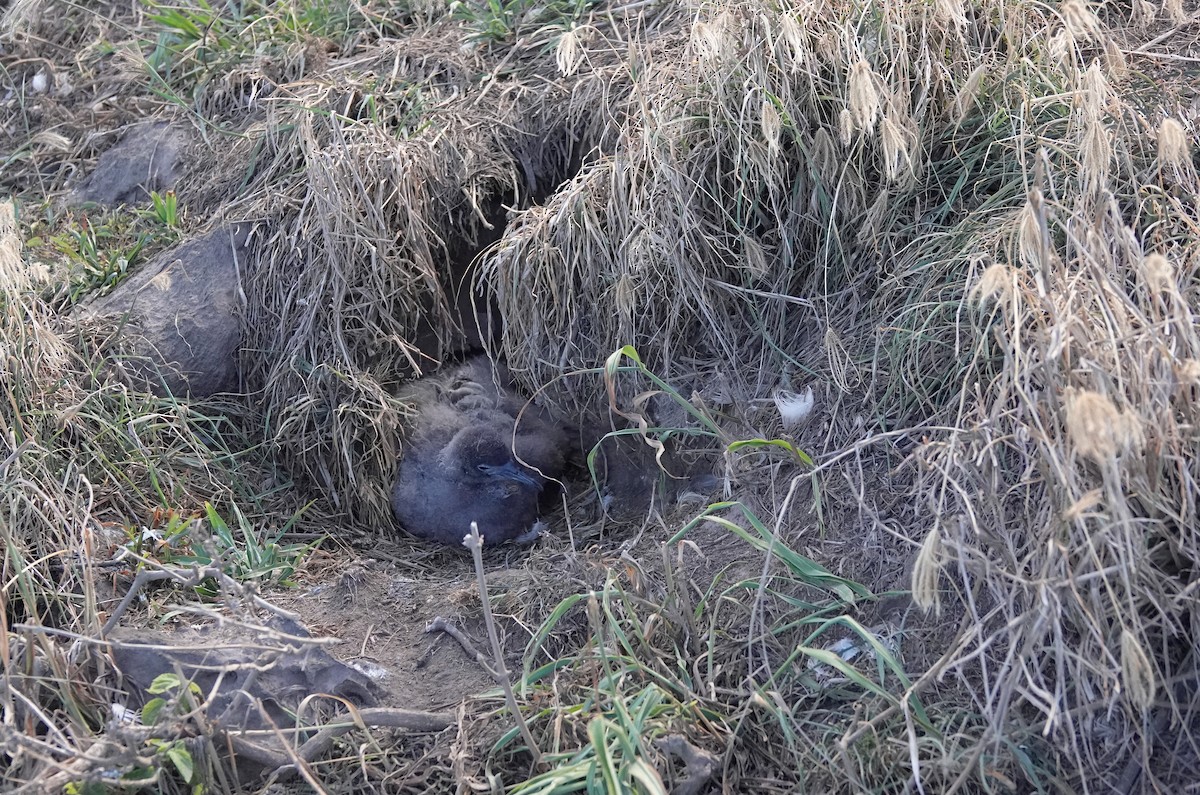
(482, 457)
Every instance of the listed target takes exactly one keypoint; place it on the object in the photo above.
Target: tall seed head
(568, 53)
(1137, 672)
(793, 35)
(897, 157)
(1157, 274)
(712, 40)
(1096, 156)
(1098, 429)
(966, 95)
(926, 571)
(1115, 60)
(1143, 13)
(1032, 235)
(824, 156)
(846, 126)
(772, 125)
(997, 282)
(1062, 46)
(1096, 90)
(1173, 147)
(1080, 20)
(864, 95)
(950, 13)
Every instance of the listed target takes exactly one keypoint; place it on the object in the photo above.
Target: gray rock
(250, 679)
(174, 324)
(146, 159)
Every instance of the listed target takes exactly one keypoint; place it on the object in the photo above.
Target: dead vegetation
(970, 227)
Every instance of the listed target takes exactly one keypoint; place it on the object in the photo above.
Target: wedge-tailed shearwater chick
(462, 462)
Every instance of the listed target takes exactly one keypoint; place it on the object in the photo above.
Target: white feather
(794, 407)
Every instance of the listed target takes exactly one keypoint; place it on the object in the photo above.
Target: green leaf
(849, 671)
(551, 622)
(805, 568)
(218, 525)
(182, 759)
(139, 776)
(151, 710)
(755, 443)
(648, 777)
(163, 683)
(598, 734)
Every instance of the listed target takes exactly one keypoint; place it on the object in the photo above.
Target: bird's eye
(484, 468)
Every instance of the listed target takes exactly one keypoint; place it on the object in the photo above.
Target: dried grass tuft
(997, 283)
(926, 572)
(1158, 274)
(1064, 492)
(1174, 148)
(367, 281)
(82, 461)
(1098, 429)
(1080, 20)
(864, 96)
(1137, 672)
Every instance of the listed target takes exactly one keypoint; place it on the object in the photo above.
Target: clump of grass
(758, 675)
(1105, 431)
(91, 253)
(199, 42)
(248, 555)
(385, 292)
(504, 20)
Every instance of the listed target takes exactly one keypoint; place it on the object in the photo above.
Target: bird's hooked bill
(510, 471)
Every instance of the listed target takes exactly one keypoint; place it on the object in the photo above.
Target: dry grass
(972, 227)
(88, 465)
(386, 174)
(1060, 505)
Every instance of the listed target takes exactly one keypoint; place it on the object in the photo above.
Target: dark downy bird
(458, 464)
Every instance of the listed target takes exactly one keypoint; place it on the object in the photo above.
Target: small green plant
(173, 697)
(98, 251)
(251, 558)
(200, 31)
(503, 20)
(173, 688)
(615, 758)
(166, 538)
(633, 701)
(493, 20)
(100, 261)
(164, 208)
(196, 41)
(255, 558)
